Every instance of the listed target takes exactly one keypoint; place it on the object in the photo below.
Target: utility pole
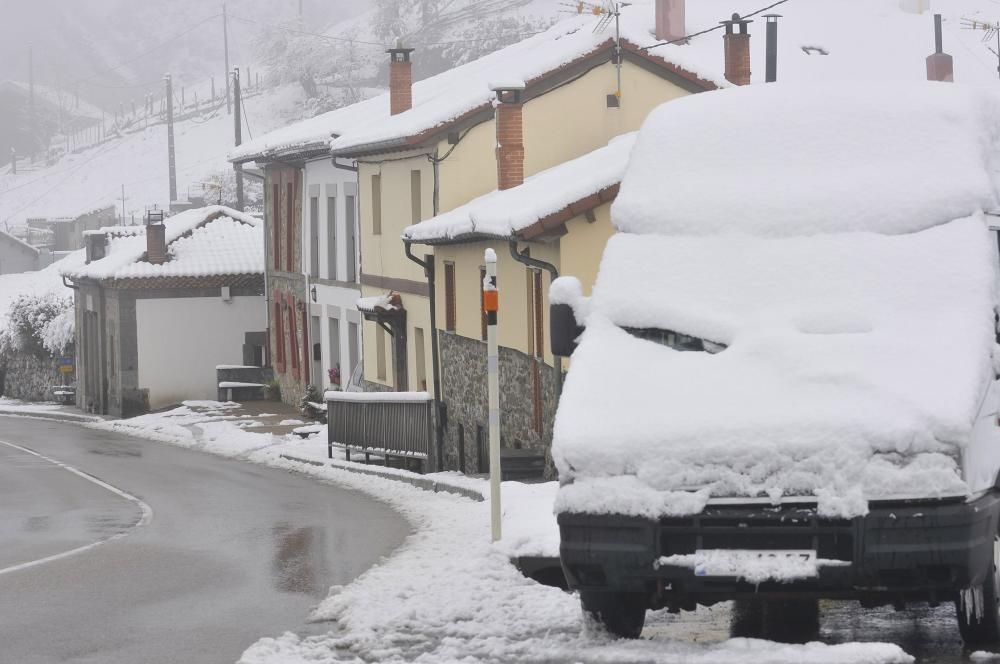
(301, 12)
(31, 97)
(238, 118)
(123, 205)
(225, 41)
(491, 305)
(171, 163)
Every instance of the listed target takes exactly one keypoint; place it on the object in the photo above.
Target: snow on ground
(93, 177)
(449, 594)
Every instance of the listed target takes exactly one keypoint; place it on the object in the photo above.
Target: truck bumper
(899, 552)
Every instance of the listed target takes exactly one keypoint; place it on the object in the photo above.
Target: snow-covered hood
(855, 367)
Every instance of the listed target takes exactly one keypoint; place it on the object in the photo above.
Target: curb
(57, 416)
(418, 481)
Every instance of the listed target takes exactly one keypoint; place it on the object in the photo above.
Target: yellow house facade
(438, 151)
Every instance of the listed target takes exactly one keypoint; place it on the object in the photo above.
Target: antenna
(607, 12)
(990, 29)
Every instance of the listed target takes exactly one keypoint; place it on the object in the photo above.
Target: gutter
(428, 264)
(523, 257)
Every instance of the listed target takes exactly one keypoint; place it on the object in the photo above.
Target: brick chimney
(156, 238)
(510, 134)
(737, 45)
(400, 79)
(670, 20)
(940, 66)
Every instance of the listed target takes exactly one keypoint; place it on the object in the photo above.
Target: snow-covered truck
(784, 384)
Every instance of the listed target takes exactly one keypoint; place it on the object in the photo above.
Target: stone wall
(30, 378)
(464, 390)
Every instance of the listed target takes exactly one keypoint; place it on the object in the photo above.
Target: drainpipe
(523, 257)
(428, 264)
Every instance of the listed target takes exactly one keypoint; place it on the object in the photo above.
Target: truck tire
(978, 609)
(622, 614)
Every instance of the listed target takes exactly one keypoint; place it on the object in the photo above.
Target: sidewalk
(51, 411)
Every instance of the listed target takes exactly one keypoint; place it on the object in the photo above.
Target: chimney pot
(156, 238)
(737, 50)
(671, 20)
(400, 79)
(97, 246)
(510, 134)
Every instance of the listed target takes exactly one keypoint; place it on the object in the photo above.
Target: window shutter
(276, 224)
(449, 297)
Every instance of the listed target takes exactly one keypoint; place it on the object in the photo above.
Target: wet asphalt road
(232, 551)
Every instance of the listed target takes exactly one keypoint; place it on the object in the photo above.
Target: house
(557, 221)
(66, 233)
(462, 134)
(17, 255)
(312, 252)
(159, 306)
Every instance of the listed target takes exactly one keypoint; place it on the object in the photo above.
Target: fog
(107, 51)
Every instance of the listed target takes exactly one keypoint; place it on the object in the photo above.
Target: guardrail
(386, 424)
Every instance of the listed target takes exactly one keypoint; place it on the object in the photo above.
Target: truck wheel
(978, 609)
(622, 614)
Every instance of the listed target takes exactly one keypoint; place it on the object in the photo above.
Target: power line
(713, 29)
(246, 120)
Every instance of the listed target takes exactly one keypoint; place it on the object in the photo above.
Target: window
(334, 356)
(380, 353)
(483, 318)
(416, 209)
(276, 224)
(289, 227)
(418, 342)
(331, 237)
(376, 204)
(449, 297)
(314, 237)
(352, 349)
(350, 227)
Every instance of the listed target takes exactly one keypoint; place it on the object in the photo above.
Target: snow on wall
(177, 359)
(794, 160)
(855, 368)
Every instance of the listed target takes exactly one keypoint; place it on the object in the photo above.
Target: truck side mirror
(563, 329)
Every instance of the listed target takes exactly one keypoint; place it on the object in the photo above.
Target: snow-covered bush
(38, 324)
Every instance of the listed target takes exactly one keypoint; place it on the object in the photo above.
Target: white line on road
(147, 513)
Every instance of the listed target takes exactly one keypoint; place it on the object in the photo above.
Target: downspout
(523, 257)
(428, 265)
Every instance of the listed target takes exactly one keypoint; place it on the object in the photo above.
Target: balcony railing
(391, 425)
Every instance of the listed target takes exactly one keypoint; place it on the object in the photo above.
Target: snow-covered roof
(860, 40)
(19, 243)
(797, 159)
(502, 214)
(842, 352)
(209, 241)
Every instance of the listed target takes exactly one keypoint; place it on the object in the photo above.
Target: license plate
(740, 562)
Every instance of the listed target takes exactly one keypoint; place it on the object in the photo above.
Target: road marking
(147, 513)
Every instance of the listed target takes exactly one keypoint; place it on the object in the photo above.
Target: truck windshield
(676, 340)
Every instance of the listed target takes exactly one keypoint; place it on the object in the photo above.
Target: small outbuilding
(159, 306)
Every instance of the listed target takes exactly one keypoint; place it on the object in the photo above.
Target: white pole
(491, 298)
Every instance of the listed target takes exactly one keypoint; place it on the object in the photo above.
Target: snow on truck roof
(856, 329)
(210, 241)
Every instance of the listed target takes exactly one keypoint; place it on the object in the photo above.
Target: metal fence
(387, 424)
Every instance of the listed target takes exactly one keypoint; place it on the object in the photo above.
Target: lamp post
(491, 300)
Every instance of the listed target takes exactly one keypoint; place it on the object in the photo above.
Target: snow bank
(855, 367)
(782, 160)
(503, 213)
(209, 241)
